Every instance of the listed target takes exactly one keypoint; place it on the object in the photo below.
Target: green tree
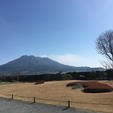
(66, 77)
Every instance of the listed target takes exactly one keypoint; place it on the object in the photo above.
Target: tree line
(93, 75)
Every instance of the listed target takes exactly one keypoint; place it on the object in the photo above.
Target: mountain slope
(31, 65)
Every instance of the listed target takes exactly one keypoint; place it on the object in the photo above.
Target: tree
(104, 45)
(66, 77)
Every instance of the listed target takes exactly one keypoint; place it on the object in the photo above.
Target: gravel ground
(14, 106)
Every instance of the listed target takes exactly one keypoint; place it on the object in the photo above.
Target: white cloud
(69, 59)
(74, 60)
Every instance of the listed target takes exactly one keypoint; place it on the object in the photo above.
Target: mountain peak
(32, 56)
(24, 56)
(31, 65)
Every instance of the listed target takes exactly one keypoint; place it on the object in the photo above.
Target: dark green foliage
(96, 90)
(110, 74)
(93, 75)
(66, 77)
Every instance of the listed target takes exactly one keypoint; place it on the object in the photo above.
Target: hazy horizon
(54, 58)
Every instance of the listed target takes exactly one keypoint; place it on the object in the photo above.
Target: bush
(92, 87)
(39, 82)
(94, 90)
(66, 77)
(84, 84)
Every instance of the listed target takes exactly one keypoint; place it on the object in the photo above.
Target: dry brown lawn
(57, 90)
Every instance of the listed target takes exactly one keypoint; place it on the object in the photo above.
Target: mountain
(31, 65)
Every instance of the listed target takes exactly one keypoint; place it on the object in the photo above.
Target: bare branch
(105, 47)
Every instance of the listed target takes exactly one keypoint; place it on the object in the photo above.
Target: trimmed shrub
(92, 87)
(39, 82)
(94, 90)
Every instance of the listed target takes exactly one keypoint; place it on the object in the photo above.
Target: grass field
(57, 90)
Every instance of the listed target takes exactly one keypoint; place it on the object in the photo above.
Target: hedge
(92, 87)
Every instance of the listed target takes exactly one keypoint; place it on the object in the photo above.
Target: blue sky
(64, 30)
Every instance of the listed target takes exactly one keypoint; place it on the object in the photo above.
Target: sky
(63, 30)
